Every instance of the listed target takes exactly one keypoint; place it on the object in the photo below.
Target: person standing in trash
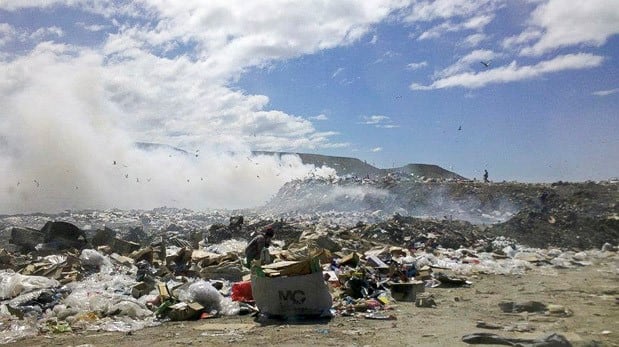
(486, 176)
(258, 244)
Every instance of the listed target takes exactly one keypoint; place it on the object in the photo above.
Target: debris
(552, 340)
(425, 301)
(376, 316)
(527, 306)
(485, 325)
(406, 291)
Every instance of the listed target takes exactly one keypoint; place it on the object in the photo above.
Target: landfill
(360, 255)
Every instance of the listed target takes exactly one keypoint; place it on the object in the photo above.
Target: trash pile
(61, 278)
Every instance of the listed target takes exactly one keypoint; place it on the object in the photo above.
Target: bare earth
(591, 293)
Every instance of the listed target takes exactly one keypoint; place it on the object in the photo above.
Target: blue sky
(390, 82)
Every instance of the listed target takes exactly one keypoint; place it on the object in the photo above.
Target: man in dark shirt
(257, 244)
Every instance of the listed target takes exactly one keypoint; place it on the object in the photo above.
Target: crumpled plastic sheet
(11, 331)
(203, 293)
(93, 258)
(234, 246)
(229, 307)
(516, 263)
(125, 325)
(487, 264)
(206, 295)
(55, 258)
(13, 284)
(100, 291)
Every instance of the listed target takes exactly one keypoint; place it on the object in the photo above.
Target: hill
(346, 166)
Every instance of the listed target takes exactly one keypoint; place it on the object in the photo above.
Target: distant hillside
(427, 170)
(355, 167)
(344, 166)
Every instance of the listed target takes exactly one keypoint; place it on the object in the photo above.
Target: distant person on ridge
(258, 245)
(486, 176)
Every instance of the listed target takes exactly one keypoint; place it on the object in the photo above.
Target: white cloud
(476, 23)
(374, 39)
(379, 121)
(474, 40)
(606, 92)
(513, 72)
(376, 149)
(43, 33)
(319, 117)
(416, 66)
(92, 27)
(565, 24)
(523, 38)
(376, 119)
(387, 126)
(337, 72)
(7, 33)
(465, 63)
(107, 8)
(426, 10)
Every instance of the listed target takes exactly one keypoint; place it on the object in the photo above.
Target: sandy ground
(591, 293)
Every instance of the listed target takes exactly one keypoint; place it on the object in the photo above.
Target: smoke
(422, 200)
(65, 145)
(440, 202)
(321, 196)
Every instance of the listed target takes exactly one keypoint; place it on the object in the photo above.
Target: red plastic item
(241, 291)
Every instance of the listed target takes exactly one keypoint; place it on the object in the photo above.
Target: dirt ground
(591, 293)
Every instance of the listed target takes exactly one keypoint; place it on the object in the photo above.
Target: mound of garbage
(576, 215)
(73, 280)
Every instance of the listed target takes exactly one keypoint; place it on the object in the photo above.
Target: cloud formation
(606, 92)
(416, 66)
(556, 24)
(379, 121)
(513, 72)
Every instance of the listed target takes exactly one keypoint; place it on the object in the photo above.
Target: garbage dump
(123, 271)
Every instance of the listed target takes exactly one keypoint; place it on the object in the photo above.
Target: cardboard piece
(185, 311)
(305, 295)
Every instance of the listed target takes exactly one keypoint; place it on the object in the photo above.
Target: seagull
(126, 175)
(37, 182)
(485, 63)
(460, 127)
(114, 162)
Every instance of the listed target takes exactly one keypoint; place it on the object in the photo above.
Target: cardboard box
(304, 295)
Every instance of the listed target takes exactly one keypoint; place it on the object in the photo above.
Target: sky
(526, 89)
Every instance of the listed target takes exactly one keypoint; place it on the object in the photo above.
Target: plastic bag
(93, 258)
(203, 293)
(128, 308)
(229, 307)
(13, 284)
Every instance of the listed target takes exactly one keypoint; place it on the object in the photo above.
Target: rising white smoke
(65, 144)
